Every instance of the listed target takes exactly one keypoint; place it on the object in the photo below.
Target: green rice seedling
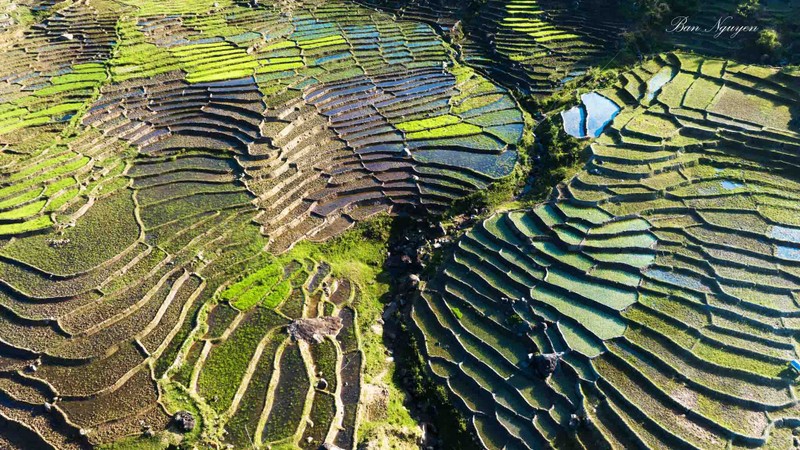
(89, 246)
(227, 363)
(290, 396)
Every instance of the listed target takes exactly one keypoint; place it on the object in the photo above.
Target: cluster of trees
(768, 41)
(773, 43)
(559, 156)
(766, 46)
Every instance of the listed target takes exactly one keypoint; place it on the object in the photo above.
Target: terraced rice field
(536, 45)
(266, 381)
(531, 46)
(266, 89)
(663, 276)
(181, 185)
(769, 14)
(155, 156)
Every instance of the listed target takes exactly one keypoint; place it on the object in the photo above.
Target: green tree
(747, 8)
(768, 42)
(653, 11)
(560, 156)
(457, 34)
(656, 12)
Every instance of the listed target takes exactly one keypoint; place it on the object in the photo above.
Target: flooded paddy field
(200, 205)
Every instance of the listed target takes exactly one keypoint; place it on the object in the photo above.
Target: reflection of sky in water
(571, 76)
(731, 185)
(599, 112)
(589, 118)
(658, 81)
(573, 119)
(676, 279)
(484, 163)
(788, 253)
(785, 234)
(714, 188)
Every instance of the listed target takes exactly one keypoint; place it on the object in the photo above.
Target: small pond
(574, 120)
(658, 81)
(600, 111)
(731, 185)
(590, 117)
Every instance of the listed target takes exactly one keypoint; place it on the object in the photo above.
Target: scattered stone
(58, 243)
(544, 364)
(389, 311)
(314, 330)
(48, 406)
(184, 420)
